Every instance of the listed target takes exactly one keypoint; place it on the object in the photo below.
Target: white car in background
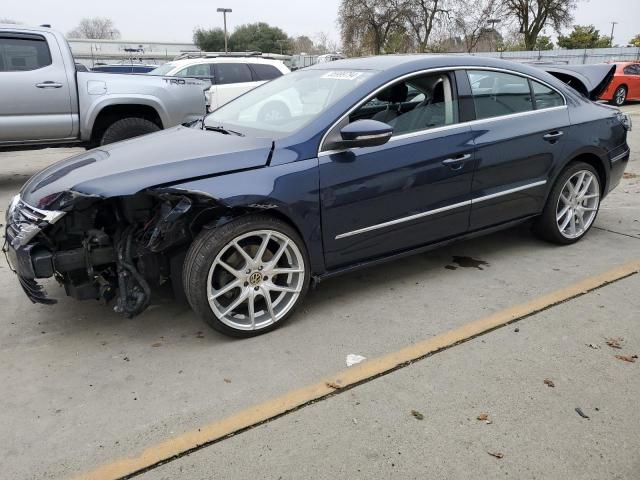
(230, 75)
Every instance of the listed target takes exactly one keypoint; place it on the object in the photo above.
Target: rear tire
(238, 280)
(127, 128)
(572, 205)
(619, 96)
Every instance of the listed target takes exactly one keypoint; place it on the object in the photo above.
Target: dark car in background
(374, 159)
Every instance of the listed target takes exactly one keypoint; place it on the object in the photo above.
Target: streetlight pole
(493, 22)
(613, 26)
(224, 12)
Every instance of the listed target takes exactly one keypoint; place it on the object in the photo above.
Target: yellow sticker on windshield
(342, 75)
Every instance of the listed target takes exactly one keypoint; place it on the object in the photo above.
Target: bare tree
(421, 17)
(95, 28)
(470, 20)
(534, 15)
(9, 21)
(365, 24)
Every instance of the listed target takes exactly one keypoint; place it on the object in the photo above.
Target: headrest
(438, 93)
(394, 94)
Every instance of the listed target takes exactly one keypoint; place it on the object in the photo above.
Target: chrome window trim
(440, 210)
(444, 127)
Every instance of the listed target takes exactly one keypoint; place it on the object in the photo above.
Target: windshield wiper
(222, 130)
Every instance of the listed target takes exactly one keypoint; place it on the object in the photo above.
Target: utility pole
(224, 12)
(613, 26)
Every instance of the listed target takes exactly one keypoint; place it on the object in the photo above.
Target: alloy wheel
(255, 280)
(621, 96)
(578, 204)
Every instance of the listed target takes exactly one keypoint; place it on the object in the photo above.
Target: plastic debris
(353, 359)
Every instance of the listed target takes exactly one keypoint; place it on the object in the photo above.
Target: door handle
(553, 136)
(49, 84)
(456, 162)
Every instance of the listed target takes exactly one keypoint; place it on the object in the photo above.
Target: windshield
(284, 105)
(162, 69)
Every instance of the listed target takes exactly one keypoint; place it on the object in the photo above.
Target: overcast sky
(175, 21)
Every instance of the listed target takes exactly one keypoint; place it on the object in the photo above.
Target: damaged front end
(116, 248)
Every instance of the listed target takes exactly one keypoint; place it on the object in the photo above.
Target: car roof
(222, 59)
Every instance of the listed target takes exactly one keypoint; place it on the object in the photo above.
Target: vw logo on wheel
(255, 278)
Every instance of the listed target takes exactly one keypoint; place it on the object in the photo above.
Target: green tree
(209, 40)
(259, 37)
(544, 43)
(635, 41)
(533, 15)
(583, 36)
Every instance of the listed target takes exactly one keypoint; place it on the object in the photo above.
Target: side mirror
(365, 133)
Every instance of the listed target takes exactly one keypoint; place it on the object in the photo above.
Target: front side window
(232, 73)
(284, 105)
(497, 93)
(265, 72)
(23, 54)
(420, 103)
(545, 97)
(163, 69)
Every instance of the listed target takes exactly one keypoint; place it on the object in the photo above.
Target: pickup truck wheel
(246, 277)
(127, 128)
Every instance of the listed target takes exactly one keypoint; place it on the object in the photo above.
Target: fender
(94, 109)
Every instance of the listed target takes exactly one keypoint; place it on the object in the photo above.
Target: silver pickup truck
(44, 101)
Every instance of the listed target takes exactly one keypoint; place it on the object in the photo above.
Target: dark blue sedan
(319, 172)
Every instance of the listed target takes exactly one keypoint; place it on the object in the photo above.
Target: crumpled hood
(161, 158)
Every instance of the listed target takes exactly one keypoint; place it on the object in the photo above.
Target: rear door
(232, 80)
(519, 133)
(35, 95)
(632, 78)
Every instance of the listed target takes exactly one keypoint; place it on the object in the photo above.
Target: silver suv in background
(46, 101)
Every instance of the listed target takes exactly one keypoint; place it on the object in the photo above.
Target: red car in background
(625, 84)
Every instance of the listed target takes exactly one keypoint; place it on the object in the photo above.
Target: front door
(412, 191)
(519, 135)
(35, 95)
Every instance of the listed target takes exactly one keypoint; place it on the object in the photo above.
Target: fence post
(584, 57)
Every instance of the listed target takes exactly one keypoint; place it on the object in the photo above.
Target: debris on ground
(335, 385)
(158, 344)
(417, 415)
(549, 383)
(353, 359)
(615, 342)
(627, 358)
(496, 454)
(483, 417)
(516, 330)
(227, 380)
(126, 359)
(581, 413)
(629, 175)
(593, 345)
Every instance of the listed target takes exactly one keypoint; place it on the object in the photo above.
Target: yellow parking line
(270, 409)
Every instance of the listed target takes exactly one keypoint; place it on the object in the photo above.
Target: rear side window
(265, 72)
(496, 93)
(232, 73)
(23, 54)
(545, 97)
(632, 70)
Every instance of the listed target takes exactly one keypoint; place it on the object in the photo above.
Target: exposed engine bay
(115, 249)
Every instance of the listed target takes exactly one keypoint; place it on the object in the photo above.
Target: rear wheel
(127, 128)
(572, 205)
(620, 96)
(248, 276)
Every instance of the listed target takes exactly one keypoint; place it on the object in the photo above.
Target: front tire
(247, 277)
(127, 128)
(572, 205)
(619, 96)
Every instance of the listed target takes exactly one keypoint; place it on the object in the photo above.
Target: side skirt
(316, 279)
